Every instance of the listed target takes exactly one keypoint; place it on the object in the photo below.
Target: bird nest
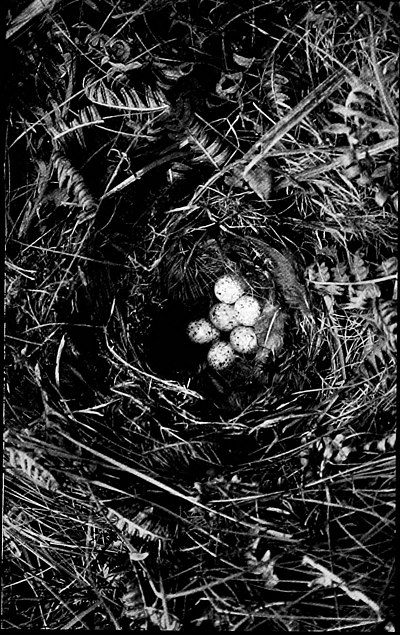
(195, 256)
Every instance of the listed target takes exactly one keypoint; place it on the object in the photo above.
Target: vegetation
(151, 147)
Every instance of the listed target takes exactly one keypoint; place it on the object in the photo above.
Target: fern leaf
(85, 117)
(162, 620)
(385, 314)
(89, 114)
(131, 101)
(120, 51)
(275, 85)
(386, 444)
(388, 267)
(181, 116)
(168, 74)
(96, 41)
(71, 179)
(128, 100)
(317, 274)
(207, 146)
(377, 357)
(142, 525)
(339, 273)
(361, 295)
(242, 60)
(229, 84)
(23, 462)
(359, 268)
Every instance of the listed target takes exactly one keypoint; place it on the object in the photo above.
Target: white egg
(223, 316)
(202, 331)
(221, 355)
(243, 339)
(229, 288)
(248, 310)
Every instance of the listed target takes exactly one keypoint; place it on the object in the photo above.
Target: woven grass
(149, 151)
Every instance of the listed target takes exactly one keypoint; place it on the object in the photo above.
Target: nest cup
(191, 272)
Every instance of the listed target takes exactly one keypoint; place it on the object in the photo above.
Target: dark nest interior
(151, 148)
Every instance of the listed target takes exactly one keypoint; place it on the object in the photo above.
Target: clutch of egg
(235, 314)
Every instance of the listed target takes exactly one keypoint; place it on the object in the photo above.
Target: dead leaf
(259, 178)
(243, 61)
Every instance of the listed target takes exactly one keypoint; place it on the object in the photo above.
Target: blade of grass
(32, 11)
(152, 481)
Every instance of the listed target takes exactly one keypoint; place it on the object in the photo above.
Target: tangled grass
(148, 151)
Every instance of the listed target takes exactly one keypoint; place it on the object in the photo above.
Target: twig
(329, 305)
(356, 283)
(140, 173)
(58, 359)
(329, 579)
(202, 587)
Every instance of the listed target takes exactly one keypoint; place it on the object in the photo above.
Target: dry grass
(149, 151)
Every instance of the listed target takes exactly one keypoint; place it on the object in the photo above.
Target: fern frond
(275, 85)
(389, 266)
(101, 92)
(134, 610)
(27, 465)
(337, 448)
(95, 41)
(339, 273)
(167, 75)
(85, 117)
(71, 179)
(207, 146)
(196, 134)
(233, 81)
(162, 620)
(142, 525)
(386, 444)
(180, 117)
(385, 314)
(358, 266)
(88, 114)
(119, 52)
(378, 359)
(360, 296)
(317, 274)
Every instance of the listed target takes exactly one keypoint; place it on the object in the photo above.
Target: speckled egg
(223, 316)
(248, 310)
(202, 331)
(221, 355)
(229, 288)
(243, 339)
